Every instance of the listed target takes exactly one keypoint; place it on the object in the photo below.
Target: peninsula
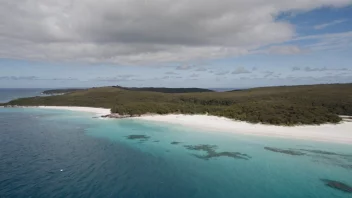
(285, 105)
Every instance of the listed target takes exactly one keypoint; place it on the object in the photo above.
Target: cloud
(285, 50)
(326, 41)
(241, 70)
(126, 77)
(184, 67)
(325, 25)
(254, 69)
(296, 69)
(222, 73)
(268, 74)
(144, 32)
(33, 78)
(309, 69)
(201, 69)
(171, 73)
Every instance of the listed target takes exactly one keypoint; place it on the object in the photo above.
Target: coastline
(334, 133)
(94, 110)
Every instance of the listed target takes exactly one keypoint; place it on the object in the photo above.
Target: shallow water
(54, 153)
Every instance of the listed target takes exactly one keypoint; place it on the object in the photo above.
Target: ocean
(10, 94)
(57, 153)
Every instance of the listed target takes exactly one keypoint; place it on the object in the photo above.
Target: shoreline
(94, 110)
(334, 133)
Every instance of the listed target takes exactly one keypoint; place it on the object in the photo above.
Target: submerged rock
(138, 137)
(285, 151)
(174, 143)
(337, 185)
(202, 147)
(211, 152)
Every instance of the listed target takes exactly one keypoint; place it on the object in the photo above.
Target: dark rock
(325, 152)
(284, 151)
(211, 153)
(337, 185)
(175, 143)
(138, 137)
(202, 147)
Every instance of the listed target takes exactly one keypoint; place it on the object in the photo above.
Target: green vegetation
(166, 90)
(59, 91)
(287, 105)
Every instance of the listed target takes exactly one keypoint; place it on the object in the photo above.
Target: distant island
(285, 105)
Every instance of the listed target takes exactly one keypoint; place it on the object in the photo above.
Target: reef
(284, 151)
(337, 185)
(174, 143)
(138, 137)
(212, 153)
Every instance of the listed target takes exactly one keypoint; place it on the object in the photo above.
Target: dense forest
(286, 105)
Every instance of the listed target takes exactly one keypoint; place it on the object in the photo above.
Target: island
(283, 105)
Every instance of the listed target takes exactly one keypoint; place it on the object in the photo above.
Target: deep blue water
(10, 94)
(53, 153)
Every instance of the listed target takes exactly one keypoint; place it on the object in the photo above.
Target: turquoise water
(54, 153)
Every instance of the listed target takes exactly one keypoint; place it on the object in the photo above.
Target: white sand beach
(338, 133)
(96, 111)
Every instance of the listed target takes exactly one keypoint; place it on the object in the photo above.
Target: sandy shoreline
(337, 133)
(96, 111)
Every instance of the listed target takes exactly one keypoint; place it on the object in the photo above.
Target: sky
(167, 43)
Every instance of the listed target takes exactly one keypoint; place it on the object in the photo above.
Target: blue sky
(316, 47)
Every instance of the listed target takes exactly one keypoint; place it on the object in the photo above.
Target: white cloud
(144, 32)
(327, 41)
(184, 67)
(171, 73)
(285, 49)
(241, 70)
(325, 25)
(222, 73)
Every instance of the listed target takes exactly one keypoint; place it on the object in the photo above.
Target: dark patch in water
(330, 158)
(175, 143)
(201, 147)
(284, 151)
(345, 166)
(156, 141)
(325, 152)
(211, 153)
(138, 137)
(337, 185)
